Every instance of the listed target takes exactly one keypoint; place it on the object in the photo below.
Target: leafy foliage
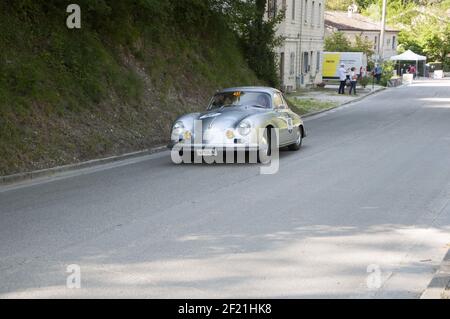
(340, 5)
(364, 81)
(257, 35)
(338, 42)
(424, 25)
(388, 69)
(70, 95)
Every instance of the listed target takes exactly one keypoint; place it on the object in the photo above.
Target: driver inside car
(263, 100)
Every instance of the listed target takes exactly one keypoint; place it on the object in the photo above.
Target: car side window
(278, 102)
(287, 102)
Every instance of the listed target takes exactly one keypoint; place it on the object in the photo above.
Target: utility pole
(383, 27)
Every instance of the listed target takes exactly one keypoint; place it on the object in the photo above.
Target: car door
(294, 120)
(285, 125)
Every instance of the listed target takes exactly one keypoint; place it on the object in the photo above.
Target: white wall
(303, 29)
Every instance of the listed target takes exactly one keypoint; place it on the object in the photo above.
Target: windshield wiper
(220, 108)
(259, 106)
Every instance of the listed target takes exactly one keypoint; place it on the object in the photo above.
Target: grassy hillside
(112, 86)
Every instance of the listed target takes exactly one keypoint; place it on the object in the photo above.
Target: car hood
(226, 118)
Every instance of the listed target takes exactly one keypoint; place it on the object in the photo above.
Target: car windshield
(238, 98)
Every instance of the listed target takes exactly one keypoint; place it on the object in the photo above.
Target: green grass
(304, 106)
(112, 87)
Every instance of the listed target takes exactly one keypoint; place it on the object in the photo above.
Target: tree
(341, 5)
(257, 35)
(435, 41)
(363, 45)
(423, 25)
(338, 42)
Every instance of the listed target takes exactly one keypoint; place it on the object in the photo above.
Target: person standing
(361, 70)
(427, 71)
(343, 78)
(353, 81)
(378, 72)
(413, 71)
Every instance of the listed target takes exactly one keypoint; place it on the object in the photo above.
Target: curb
(439, 287)
(346, 103)
(10, 179)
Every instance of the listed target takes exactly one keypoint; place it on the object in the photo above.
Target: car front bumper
(186, 147)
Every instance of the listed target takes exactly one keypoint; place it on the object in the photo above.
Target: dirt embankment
(111, 87)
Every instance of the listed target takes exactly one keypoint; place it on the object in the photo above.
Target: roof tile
(357, 22)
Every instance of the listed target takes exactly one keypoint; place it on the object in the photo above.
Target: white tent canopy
(408, 56)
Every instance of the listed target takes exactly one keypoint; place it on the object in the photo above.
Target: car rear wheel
(298, 142)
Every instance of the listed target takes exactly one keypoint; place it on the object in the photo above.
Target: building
(354, 24)
(303, 30)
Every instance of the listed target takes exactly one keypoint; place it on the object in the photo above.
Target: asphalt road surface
(363, 210)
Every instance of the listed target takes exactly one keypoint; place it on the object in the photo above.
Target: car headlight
(229, 134)
(244, 128)
(177, 130)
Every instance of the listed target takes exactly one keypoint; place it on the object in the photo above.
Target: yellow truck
(331, 62)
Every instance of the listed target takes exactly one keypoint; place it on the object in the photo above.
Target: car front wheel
(298, 142)
(265, 147)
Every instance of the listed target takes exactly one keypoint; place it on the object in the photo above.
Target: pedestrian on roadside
(427, 71)
(342, 78)
(378, 72)
(413, 70)
(363, 73)
(353, 81)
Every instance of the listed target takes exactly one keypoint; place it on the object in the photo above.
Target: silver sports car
(241, 118)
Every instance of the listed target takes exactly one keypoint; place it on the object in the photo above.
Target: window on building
(375, 43)
(320, 15)
(293, 10)
(272, 9)
(292, 64)
(305, 62)
(394, 45)
(313, 8)
(305, 12)
(318, 62)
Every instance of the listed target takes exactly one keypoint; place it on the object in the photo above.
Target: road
(362, 211)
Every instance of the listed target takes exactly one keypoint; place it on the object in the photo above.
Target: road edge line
(10, 180)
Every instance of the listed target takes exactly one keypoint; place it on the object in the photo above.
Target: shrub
(364, 81)
(388, 69)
